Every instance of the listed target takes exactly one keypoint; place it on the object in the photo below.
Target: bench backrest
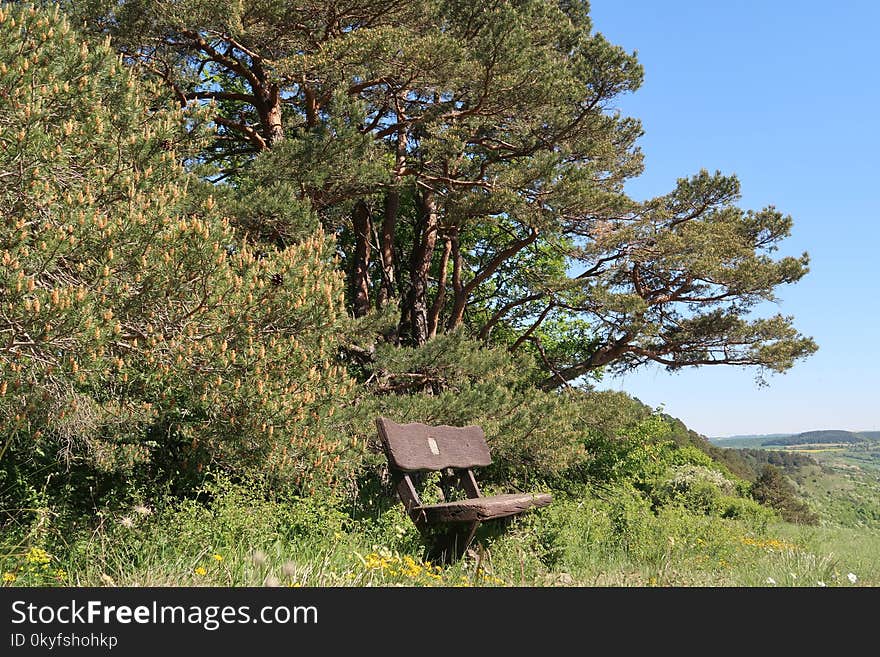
(418, 447)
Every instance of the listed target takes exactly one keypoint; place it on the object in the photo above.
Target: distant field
(864, 456)
(845, 486)
(813, 449)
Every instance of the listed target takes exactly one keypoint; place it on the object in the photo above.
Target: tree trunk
(416, 308)
(267, 102)
(386, 248)
(311, 105)
(389, 222)
(271, 117)
(360, 275)
(440, 298)
(460, 293)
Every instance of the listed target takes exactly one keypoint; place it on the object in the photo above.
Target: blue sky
(786, 95)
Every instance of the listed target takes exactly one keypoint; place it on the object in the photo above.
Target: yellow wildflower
(770, 544)
(8, 577)
(201, 570)
(37, 556)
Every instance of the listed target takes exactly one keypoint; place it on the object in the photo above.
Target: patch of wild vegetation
(207, 295)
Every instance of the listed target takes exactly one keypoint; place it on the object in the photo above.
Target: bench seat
(482, 508)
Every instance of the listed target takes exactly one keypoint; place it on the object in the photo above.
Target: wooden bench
(415, 449)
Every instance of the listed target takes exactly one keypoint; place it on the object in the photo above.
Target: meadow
(609, 538)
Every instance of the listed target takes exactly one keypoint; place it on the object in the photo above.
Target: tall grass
(242, 538)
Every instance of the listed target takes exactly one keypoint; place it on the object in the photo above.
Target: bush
(696, 487)
(774, 490)
(630, 515)
(146, 340)
(741, 508)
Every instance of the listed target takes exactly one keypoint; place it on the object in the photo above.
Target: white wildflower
(821, 583)
(772, 581)
(852, 577)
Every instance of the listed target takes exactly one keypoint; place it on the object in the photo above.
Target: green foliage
(635, 452)
(697, 488)
(231, 532)
(833, 436)
(747, 509)
(472, 148)
(748, 463)
(285, 192)
(253, 513)
(145, 339)
(692, 455)
(774, 490)
(35, 567)
(629, 513)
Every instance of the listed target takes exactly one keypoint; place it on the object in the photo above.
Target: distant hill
(821, 437)
(749, 436)
(804, 438)
(746, 441)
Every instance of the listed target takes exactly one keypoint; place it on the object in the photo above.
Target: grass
(240, 539)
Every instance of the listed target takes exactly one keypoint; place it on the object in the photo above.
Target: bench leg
(450, 546)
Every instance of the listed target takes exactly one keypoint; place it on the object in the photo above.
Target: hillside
(826, 436)
(831, 436)
(746, 437)
(836, 472)
(738, 442)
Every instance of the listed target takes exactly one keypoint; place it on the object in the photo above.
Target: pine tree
(470, 164)
(142, 337)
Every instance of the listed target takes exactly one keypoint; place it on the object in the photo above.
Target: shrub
(774, 490)
(630, 515)
(742, 508)
(699, 488)
(145, 340)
